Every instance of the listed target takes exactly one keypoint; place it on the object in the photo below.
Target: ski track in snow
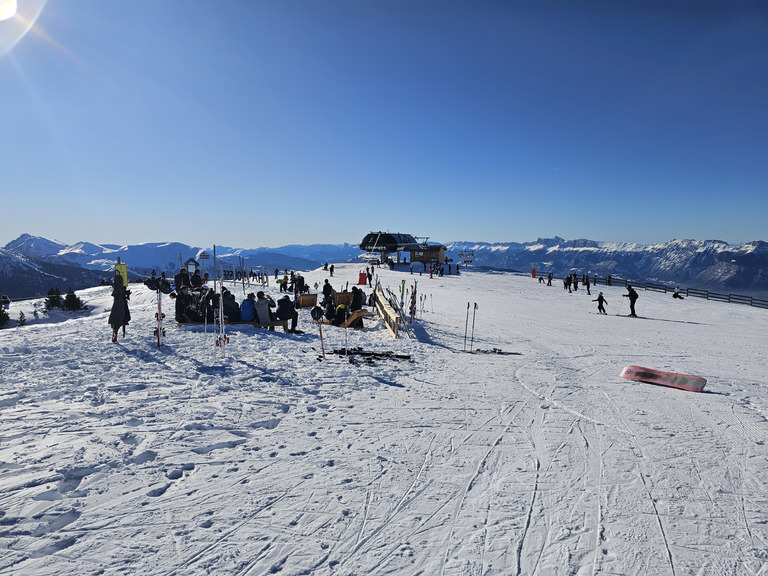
(262, 458)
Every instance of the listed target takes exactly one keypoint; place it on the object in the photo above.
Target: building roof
(389, 242)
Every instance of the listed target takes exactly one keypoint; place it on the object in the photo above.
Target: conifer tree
(72, 302)
(54, 299)
(22, 319)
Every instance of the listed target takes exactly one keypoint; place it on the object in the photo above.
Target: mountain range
(30, 265)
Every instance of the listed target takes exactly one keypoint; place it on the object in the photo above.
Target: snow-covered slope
(262, 459)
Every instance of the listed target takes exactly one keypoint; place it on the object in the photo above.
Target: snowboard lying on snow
(682, 381)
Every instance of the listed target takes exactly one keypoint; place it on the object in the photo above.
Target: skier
(632, 295)
(600, 301)
(120, 315)
(586, 285)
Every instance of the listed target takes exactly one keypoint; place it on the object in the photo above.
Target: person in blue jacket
(248, 308)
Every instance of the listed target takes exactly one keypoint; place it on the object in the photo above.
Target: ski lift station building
(388, 244)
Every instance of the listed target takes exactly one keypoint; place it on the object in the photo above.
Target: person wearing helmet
(600, 301)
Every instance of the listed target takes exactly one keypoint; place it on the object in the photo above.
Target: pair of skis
(466, 325)
(159, 330)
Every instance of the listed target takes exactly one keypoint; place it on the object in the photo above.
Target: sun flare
(7, 9)
(17, 17)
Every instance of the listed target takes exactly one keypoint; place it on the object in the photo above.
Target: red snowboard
(682, 381)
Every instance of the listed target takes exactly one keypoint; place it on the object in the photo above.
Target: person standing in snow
(632, 295)
(600, 301)
(327, 292)
(119, 316)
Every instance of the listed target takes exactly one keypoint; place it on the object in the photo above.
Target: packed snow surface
(264, 458)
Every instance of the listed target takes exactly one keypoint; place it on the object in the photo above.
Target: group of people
(259, 308)
(631, 294)
(572, 281)
(196, 303)
(337, 313)
(294, 283)
(201, 306)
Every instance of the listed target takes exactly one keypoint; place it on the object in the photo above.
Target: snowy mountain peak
(35, 246)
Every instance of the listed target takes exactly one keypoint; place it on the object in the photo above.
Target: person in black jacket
(182, 279)
(231, 307)
(340, 315)
(287, 311)
(119, 316)
(358, 297)
(196, 281)
(328, 292)
(600, 303)
(186, 310)
(632, 295)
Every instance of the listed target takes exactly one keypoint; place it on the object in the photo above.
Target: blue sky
(262, 123)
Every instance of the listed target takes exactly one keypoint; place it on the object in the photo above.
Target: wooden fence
(693, 292)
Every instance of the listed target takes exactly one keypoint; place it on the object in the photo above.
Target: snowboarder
(120, 315)
(600, 301)
(676, 293)
(632, 295)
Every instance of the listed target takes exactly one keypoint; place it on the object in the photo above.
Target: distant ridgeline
(30, 265)
(709, 264)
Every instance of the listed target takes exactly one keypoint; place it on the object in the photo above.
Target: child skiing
(600, 301)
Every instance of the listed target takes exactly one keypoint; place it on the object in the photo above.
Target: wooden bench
(351, 320)
(283, 323)
(307, 300)
(343, 298)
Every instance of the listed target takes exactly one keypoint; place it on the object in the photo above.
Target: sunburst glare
(17, 17)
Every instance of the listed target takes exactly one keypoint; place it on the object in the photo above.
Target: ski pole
(472, 341)
(620, 307)
(466, 324)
